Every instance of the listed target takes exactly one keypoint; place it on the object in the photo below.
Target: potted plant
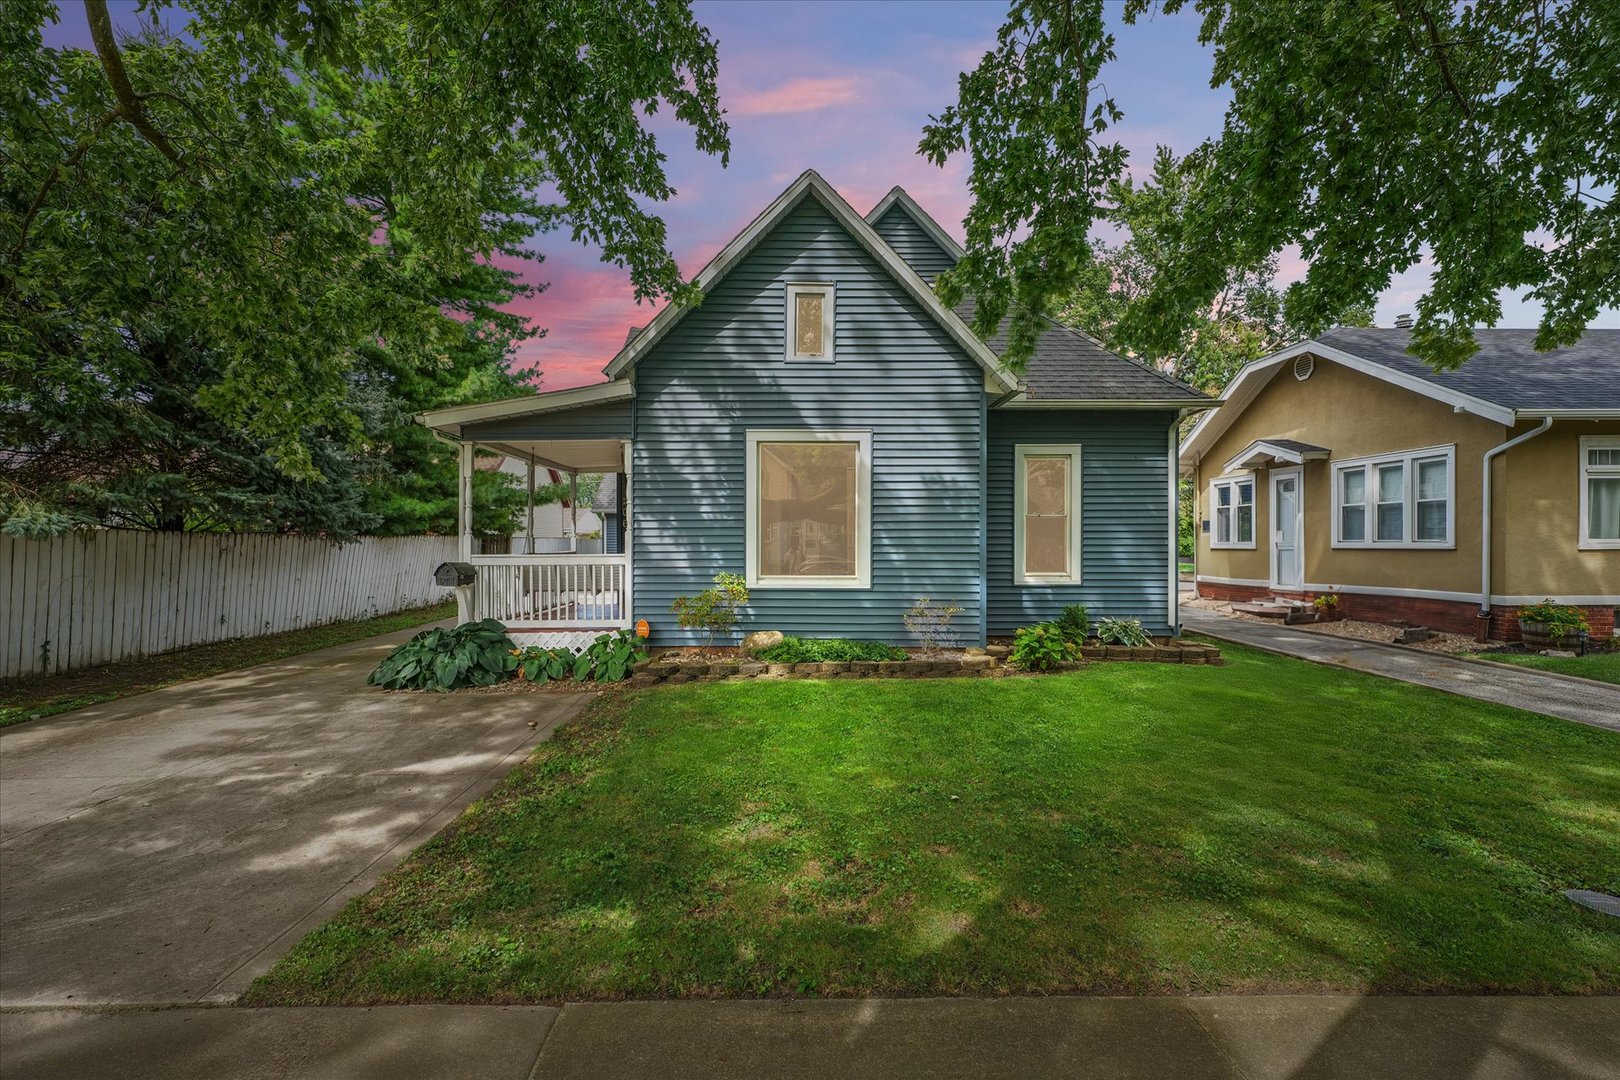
(1550, 625)
(1327, 607)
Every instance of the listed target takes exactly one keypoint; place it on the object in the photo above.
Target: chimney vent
(1403, 322)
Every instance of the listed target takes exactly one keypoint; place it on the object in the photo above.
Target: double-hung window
(1600, 491)
(809, 509)
(1046, 514)
(1232, 521)
(1404, 500)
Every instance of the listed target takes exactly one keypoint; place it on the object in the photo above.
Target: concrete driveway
(169, 847)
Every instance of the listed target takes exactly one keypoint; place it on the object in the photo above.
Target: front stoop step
(1265, 610)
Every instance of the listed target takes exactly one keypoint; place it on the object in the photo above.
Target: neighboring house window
(1396, 500)
(809, 519)
(1600, 491)
(1046, 514)
(810, 322)
(1233, 504)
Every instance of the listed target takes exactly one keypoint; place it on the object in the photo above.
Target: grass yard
(1136, 828)
(1604, 667)
(47, 695)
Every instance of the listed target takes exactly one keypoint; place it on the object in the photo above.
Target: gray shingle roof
(1068, 365)
(1507, 370)
(1295, 445)
(607, 495)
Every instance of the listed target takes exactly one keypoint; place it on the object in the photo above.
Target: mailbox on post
(455, 574)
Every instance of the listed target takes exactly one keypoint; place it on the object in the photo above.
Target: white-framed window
(1405, 500)
(1046, 513)
(810, 321)
(809, 509)
(1231, 504)
(1600, 492)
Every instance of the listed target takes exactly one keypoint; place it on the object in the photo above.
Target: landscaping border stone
(990, 663)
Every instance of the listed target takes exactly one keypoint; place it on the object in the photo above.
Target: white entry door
(1287, 558)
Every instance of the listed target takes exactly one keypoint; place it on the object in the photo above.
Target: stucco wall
(1353, 415)
(1537, 513)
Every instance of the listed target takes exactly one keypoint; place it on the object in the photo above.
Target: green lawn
(47, 695)
(1605, 667)
(1137, 828)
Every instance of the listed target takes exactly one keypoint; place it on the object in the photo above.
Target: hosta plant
(472, 654)
(540, 665)
(608, 658)
(1123, 632)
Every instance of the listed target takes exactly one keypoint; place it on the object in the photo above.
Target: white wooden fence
(93, 597)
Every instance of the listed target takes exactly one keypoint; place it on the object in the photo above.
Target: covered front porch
(546, 597)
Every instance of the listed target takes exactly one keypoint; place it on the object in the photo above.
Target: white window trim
(1027, 450)
(794, 288)
(1408, 460)
(1232, 480)
(1595, 442)
(863, 509)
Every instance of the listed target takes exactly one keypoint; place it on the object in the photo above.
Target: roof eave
(451, 421)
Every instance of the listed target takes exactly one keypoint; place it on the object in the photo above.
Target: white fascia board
(1255, 375)
(811, 183)
(1267, 448)
(451, 421)
(923, 219)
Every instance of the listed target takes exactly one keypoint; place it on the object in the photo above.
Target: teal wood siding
(1124, 524)
(721, 371)
(912, 244)
(610, 421)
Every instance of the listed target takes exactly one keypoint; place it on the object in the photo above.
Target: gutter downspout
(1482, 622)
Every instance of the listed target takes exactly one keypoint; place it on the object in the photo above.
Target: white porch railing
(553, 591)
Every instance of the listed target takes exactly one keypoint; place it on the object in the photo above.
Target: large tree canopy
(1484, 136)
(234, 260)
(1246, 319)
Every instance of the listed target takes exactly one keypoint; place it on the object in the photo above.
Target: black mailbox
(455, 574)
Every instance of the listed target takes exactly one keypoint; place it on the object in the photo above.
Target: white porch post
(625, 490)
(529, 531)
(573, 511)
(464, 494)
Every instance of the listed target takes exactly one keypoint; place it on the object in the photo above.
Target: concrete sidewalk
(1569, 699)
(1250, 1038)
(168, 847)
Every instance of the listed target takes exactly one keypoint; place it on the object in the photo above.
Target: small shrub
(1327, 602)
(1123, 632)
(543, 665)
(608, 658)
(1074, 623)
(472, 654)
(1042, 647)
(792, 650)
(714, 610)
(929, 621)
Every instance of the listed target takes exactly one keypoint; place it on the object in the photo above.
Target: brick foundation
(1450, 616)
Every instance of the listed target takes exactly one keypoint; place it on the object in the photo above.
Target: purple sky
(845, 88)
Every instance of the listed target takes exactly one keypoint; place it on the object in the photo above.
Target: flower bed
(988, 663)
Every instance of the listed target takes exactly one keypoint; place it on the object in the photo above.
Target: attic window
(810, 322)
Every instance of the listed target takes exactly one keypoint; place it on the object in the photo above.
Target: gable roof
(898, 199)
(811, 185)
(1506, 381)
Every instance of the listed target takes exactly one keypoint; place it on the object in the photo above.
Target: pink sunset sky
(845, 88)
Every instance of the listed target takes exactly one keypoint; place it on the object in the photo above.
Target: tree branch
(130, 104)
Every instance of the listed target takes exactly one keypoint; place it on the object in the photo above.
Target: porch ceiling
(568, 455)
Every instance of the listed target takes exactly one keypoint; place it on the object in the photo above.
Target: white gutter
(1485, 512)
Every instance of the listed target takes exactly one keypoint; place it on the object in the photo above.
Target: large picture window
(1404, 500)
(1231, 504)
(1046, 514)
(809, 509)
(1600, 491)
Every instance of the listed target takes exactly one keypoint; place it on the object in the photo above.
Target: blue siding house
(822, 425)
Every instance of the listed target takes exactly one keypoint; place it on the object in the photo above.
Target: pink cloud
(794, 96)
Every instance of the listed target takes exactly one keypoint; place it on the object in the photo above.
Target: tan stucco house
(1345, 465)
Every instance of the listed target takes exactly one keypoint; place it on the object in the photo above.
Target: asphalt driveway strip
(168, 847)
